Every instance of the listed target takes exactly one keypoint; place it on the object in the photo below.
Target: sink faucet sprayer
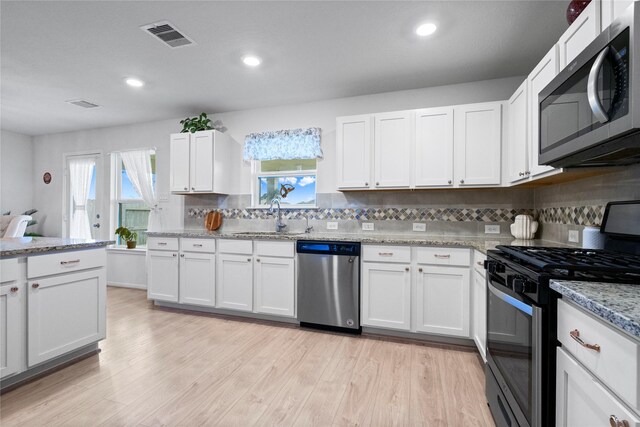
(280, 226)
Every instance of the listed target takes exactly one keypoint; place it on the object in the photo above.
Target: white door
(518, 134)
(433, 159)
(478, 141)
(64, 313)
(392, 136)
(275, 286)
(479, 297)
(386, 295)
(354, 141)
(11, 312)
(539, 78)
(443, 300)
(198, 278)
(581, 401)
(234, 282)
(179, 148)
(162, 275)
(580, 33)
(201, 176)
(611, 10)
(84, 220)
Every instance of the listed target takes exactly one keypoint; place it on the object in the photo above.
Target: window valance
(283, 145)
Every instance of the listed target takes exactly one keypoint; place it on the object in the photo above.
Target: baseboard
(127, 285)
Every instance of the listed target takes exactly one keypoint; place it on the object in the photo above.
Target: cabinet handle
(14, 289)
(480, 263)
(385, 253)
(442, 256)
(521, 174)
(575, 334)
(406, 269)
(197, 245)
(615, 422)
(181, 255)
(73, 261)
(35, 285)
(420, 270)
(175, 255)
(162, 243)
(462, 181)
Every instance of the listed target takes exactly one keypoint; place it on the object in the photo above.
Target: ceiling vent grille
(167, 34)
(83, 103)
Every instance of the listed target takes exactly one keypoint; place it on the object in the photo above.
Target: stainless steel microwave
(590, 112)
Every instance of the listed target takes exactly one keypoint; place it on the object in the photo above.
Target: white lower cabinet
(197, 278)
(479, 298)
(65, 312)
(386, 295)
(11, 313)
(162, 275)
(442, 295)
(275, 286)
(234, 282)
(581, 401)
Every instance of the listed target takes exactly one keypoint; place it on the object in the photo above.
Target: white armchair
(13, 225)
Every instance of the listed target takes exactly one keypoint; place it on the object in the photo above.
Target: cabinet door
(433, 160)
(275, 286)
(518, 134)
(354, 141)
(234, 282)
(201, 176)
(11, 312)
(443, 300)
(611, 10)
(392, 135)
(64, 313)
(479, 298)
(162, 275)
(580, 33)
(582, 401)
(179, 162)
(386, 295)
(478, 140)
(539, 78)
(197, 278)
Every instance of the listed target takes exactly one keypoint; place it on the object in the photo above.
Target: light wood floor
(161, 367)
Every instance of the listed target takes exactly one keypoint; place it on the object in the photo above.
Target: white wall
(49, 149)
(16, 172)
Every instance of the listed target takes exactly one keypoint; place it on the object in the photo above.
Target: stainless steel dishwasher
(329, 285)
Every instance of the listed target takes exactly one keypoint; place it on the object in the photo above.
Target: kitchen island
(52, 304)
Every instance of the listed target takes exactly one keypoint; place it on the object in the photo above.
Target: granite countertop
(38, 245)
(481, 243)
(616, 303)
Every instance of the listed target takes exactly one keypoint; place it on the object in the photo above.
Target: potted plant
(128, 236)
(196, 124)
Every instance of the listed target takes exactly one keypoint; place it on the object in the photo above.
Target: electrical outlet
(163, 197)
(332, 225)
(418, 226)
(367, 226)
(574, 236)
(491, 229)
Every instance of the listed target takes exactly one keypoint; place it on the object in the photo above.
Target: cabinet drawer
(228, 246)
(386, 253)
(8, 270)
(198, 245)
(277, 249)
(478, 262)
(616, 364)
(65, 262)
(163, 243)
(443, 256)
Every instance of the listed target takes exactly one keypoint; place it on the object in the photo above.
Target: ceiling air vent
(167, 34)
(83, 103)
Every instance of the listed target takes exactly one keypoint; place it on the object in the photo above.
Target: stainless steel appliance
(590, 112)
(522, 312)
(329, 285)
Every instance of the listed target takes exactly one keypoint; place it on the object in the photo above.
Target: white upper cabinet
(354, 142)
(179, 162)
(539, 78)
(580, 33)
(201, 171)
(517, 135)
(478, 144)
(611, 10)
(433, 158)
(392, 136)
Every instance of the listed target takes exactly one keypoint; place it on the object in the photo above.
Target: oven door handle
(592, 88)
(514, 302)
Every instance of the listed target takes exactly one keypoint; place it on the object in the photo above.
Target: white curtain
(138, 167)
(80, 175)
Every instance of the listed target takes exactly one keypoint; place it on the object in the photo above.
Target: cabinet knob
(616, 422)
(14, 289)
(527, 172)
(521, 174)
(366, 184)
(406, 269)
(377, 183)
(175, 255)
(35, 285)
(258, 260)
(449, 182)
(420, 270)
(181, 255)
(193, 188)
(185, 188)
(462, 181)
(248, 259)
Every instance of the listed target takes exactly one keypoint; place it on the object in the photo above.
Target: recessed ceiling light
(134, 82)
(251, 61)
(426, 29)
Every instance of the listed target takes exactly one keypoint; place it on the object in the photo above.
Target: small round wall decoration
(46, 177)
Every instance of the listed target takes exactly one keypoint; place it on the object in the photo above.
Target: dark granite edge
(55, 248)
(607, 314)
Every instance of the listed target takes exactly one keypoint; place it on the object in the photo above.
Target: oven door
(514, 351)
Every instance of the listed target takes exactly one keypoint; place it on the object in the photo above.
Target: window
(130, 210)
(293, 181)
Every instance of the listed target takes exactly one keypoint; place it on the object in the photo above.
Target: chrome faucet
(308, 228)
(280, 226)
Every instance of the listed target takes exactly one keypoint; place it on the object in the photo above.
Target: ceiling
(55, 51)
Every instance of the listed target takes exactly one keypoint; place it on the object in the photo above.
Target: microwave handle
(592, 88)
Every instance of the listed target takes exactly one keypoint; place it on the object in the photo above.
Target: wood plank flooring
(164, 367)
